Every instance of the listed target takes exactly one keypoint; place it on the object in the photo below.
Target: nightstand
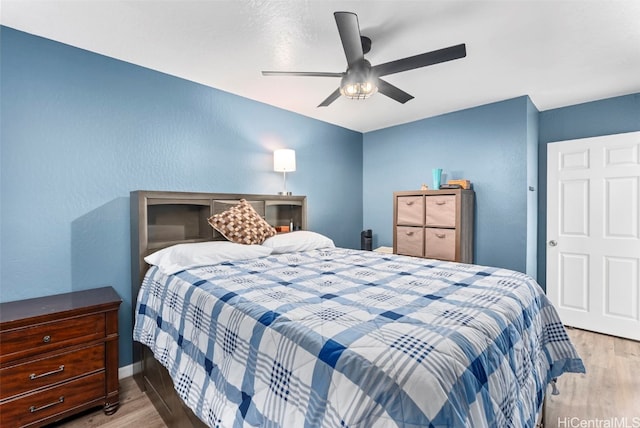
(58, 356)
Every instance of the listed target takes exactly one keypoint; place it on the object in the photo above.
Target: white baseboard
(126, 371)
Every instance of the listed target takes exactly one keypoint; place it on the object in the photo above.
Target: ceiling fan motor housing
(366, 44)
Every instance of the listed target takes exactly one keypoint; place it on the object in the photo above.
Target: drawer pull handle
(34, 376)
(34, 409)
(46, 339)
(441, 235)
(409, 203)
(441, 202)
(409, 233)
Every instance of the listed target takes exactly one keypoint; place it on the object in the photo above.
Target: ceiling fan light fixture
(358, 85)
(358, 90)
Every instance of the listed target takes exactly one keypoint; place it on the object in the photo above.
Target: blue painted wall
(603, 117)
(80, 131)
(487, 145)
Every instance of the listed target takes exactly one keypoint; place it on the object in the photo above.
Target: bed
(315, 335)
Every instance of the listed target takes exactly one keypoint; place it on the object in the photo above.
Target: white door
(593, 233)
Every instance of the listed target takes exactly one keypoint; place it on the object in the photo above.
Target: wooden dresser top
(11, 313)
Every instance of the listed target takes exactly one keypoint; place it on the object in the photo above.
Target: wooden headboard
(161, 219)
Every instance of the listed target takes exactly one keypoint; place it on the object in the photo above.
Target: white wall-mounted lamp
(284, 160)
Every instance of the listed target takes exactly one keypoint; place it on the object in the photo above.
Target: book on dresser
(435, 224)
(58, 356)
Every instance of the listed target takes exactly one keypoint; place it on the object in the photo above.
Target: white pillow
(183, 256)
(301, 240)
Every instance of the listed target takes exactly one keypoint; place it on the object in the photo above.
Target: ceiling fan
(361, 80)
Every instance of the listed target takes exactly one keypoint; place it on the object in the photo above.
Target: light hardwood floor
(135, 410)
(610, 389)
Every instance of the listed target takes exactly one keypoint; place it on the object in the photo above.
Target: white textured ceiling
(557, 52)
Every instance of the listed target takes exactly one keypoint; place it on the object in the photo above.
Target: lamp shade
(284, 160)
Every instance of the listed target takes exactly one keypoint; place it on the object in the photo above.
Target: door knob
(552, 243)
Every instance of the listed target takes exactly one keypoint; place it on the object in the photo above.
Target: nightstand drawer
(410, 210)
(410, 241)
(52, 401)
(440, 211)
(440, 244)
(47, 371)
(44, 337)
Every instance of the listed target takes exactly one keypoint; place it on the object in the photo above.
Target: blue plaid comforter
(346, 338)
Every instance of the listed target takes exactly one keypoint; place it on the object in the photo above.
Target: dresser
(58, 356)
(436, 224)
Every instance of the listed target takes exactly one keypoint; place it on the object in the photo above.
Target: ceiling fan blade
(302, 73)
(393, 92)
(422, 60)
(349, 30)
(331, 98)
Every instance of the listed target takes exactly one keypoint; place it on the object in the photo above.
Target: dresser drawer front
(49, 336)
(52, 401)
(440, 243)
(410, 241)
(47, 371)
(410, 210)
(440, 211)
